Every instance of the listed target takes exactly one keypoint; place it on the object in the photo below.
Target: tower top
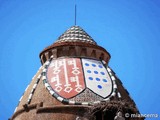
(75, 34)
(75, 42)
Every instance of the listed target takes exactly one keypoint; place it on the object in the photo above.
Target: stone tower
(75, 83)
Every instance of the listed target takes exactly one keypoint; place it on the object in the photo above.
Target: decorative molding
(75, 51)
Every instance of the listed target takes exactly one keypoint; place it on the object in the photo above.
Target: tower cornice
(77, 49)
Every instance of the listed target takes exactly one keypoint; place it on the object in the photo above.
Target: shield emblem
(65, 76)
(97, 78)
(68, 77)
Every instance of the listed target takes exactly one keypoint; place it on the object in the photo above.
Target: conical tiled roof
(75, 34)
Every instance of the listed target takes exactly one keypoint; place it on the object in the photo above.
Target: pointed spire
(75, 34)
(75, 21)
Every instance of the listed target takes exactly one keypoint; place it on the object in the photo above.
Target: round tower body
(75, 83)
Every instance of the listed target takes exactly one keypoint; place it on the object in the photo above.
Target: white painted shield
(96, 77)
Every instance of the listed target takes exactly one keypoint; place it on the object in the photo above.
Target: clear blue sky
(129, 30)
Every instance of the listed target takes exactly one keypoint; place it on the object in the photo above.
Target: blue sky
(129, 30)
